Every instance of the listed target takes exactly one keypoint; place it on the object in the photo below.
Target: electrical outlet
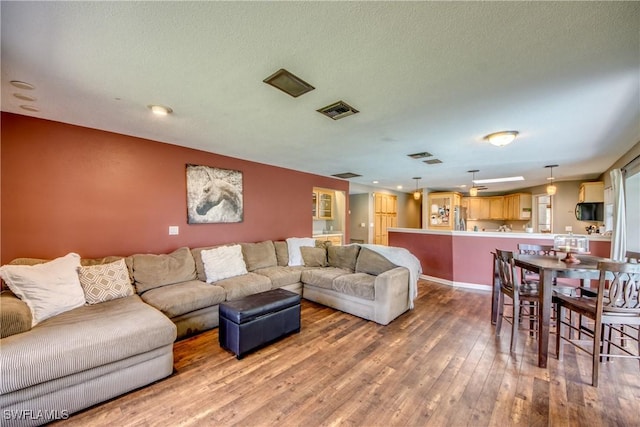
(174, 230)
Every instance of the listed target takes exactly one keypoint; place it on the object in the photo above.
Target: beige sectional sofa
(95, 352)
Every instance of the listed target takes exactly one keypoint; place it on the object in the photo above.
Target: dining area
(562, 295)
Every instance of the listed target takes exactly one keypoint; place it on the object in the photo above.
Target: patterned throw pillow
(105, 282)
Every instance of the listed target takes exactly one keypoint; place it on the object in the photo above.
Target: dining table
(548, 267)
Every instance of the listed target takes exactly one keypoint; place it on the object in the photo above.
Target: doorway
(542, 214)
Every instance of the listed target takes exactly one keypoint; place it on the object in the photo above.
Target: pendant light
(473, 191)
(551, 188)
(417, 193)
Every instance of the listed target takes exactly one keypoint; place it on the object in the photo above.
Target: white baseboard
(474, 286)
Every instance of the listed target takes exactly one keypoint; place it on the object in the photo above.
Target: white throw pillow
(48, 289)
(293, 246)
(223, 262)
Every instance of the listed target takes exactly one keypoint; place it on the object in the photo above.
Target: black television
(593, 211)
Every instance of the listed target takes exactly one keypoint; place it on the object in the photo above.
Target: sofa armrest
(391, 284)
(15, 315)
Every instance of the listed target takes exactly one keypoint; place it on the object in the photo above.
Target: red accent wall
(68, 188)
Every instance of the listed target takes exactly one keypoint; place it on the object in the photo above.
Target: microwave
(590, 211)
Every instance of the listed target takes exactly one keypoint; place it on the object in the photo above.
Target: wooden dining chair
(614, 308)
(525, 299)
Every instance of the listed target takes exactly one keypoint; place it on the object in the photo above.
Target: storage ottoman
(256, 320)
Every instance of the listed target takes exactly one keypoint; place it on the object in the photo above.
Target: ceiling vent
(338, 110)
(288, 83)
(432, 161)
(346, 175)
(420, 155)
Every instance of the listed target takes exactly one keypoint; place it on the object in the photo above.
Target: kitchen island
(463, 258)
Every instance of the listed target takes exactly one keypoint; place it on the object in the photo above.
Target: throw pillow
(152, 271)
(343, 257)
(259, 255)
(282, 253)
(371, 262)
(48, 289)
(294, 244)
(105, 282)
(314, 257)
(223, 262)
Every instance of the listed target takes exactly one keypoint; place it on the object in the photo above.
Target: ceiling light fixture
(160, 110)
(495, 180)
(473, 191)
(500, 139)
(551, 188)
(417, 193)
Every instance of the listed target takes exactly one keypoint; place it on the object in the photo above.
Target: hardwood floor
(437, 365)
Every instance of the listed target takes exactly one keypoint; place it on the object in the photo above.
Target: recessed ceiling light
(24, 97)
(30, 108)
(494, 180)
(22, 85)
(500, 139)
(288, 83)
(160, 110)
(399, 187)
(375, 182)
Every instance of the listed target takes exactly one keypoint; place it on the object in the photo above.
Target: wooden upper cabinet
(441, 210)
(517, 206)
(591, 192)
(511, 206)
(322, 204)
(496, 207)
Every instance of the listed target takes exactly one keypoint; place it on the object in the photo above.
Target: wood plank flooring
(437, 365)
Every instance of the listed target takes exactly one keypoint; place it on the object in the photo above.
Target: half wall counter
(463, 258)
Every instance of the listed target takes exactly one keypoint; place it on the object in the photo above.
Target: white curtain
(618, 238)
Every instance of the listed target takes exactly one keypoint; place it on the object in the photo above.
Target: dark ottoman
(256, 320)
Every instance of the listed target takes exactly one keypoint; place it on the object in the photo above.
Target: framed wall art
(214, 195)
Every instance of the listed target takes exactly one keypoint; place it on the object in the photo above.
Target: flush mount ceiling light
(551, 188)
(417, 193)
(22, 85)
(494, 180)
(288, 83)
(160, 110)
(500, 139)
(473, 191)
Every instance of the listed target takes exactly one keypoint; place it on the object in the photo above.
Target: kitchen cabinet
(591, 192)
(517, 206)
(322, 204)
(335, 239)
(478, 208)
(441, 210)
(496, 207)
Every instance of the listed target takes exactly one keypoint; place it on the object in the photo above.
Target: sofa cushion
(281, 276)
(344, 257)
(314, 257)
(371, 262)
(49, 288)
(152, 271)
(247, 284)
(104, 282)
(181, 298)
(359, 285)
(259, 255)
(282, 253)
(223, 262)
(15, 316)
(322, 277)
(81, 339)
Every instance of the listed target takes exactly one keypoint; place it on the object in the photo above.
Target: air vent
(420, 155)
(338, 110)
(346, 175)
(288, 83)
(432, 161)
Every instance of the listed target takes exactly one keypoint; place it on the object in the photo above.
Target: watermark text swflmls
(29, 414)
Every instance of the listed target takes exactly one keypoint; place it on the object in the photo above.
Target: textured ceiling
(425, 76)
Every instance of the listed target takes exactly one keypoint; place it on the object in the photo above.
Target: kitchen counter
(463, 258)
